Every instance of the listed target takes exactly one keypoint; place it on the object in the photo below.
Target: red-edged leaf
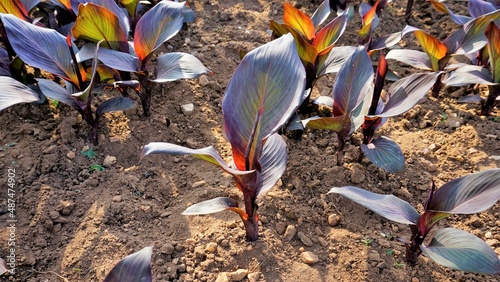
(370, 19)
(470, 38)
(263, 93)
(469, 75)
(174, 66)
(472, 193)
(493, 36)
(329, 34)
(40, 47)
(388, 206)
(299, 21)
(156, 26)
(441, 7)
(413, 58)
(385, 154)
(406, 92)
(133, 268)
(111, 6)
(352, 83)
(333, 60)
(212, 206)
(13, 92)
(321, 13)
(461, 250)
(272, 162)
(95, 23)
(432, 46)
(14, 7)
(478, 8)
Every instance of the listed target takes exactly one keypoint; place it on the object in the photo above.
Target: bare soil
(75, 224)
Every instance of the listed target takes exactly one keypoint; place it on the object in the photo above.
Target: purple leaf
(133, 268)
(333, 60)
(469, 75)
(212, 206)
(388, 206)
(461, 250)
(40, 47)
(114, 105)
(30, 4)
(406, 92)
(385, 41)
(111, 58)
(208, 154)
(385, 154)
(156, 26)
(470, 99)
(14, 92)
(353, 82)
(414, 58)
(472, 193)
(321, 13)
(272, 162)
(174, 66)
(256, 103)
(478, 8)
(56, 92)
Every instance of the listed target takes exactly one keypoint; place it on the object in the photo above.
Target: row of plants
(268, 92)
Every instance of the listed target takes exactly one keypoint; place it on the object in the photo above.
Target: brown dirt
(77, 223)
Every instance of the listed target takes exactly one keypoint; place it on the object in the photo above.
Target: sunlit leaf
(174, 66)
(385, 154)
(340, 124)
(114, 105)
(131, 6)
(472, 193)
(441, 7)
(385, 41)
(13, 92)
(478, 8)
(156, 26)
(40, 47)
(333, 60)
(306, 51)
(321, 13)
(388, 206)
(370, 19)
(111, 6)
(324, 100)
(493, 36)
(432, 46)
(298, 20)
(133, 268)
(413, 58)
(212, 206)
(272, 162)
(406, 92)
(330, 33)
(352, 83)
(469, 75)
(208, 154)
(461, 250)
(256, 103)
(95, 23)
(15, 8)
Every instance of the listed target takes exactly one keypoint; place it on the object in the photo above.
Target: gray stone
(109, 161)
(304, 239)
(187, 109)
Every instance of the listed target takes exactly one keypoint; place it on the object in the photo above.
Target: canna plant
(265, 90)
(450, 247)
(133, 268)
(155, 27)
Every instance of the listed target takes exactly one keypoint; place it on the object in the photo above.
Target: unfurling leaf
(133, 268)
(388, 206)
(386, 154)
(493, 36)
(212, 206)
(298, 20)
(461, 250)
(432, 46)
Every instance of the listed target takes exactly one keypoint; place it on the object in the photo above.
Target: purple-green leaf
(114, 105)
(406, 92)
(133, 268)
(263, 93)
(109, 5)
(14, 92)
(174, 66)
(414, 58)
(39, 47)
(469, 75)
(461, 250)
(385, 154)
(272, 162)
(156, 26)
(212, 206)
(208, 154)
(472, 193)
(388, 206)
(353, 82)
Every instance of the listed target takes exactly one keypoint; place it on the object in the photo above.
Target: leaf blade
(211, 206)
(174, 66)
(385, 154)
(13, 92)
(134, 268)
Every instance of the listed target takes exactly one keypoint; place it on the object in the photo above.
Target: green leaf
(89, 153)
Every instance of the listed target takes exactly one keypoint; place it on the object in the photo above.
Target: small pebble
(117, 198)
(309, 257)
(109, 161)
(290, 232)
(238, 275)
(304, 239)
(198, 184)
(71, 155)
(333, 220)
(211, 247)
(187, 109)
